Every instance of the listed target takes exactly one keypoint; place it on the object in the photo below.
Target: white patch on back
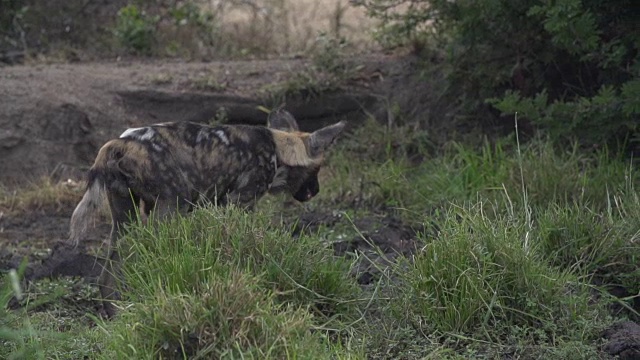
(157, 147)
(203, 135)
(129, 132)
(223, 137)
(142, 133)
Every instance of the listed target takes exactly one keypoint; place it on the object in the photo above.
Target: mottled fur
(171, 166)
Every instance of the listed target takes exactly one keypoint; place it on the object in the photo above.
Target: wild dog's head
(300, 155)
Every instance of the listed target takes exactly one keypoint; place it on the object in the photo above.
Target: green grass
(225, 283)
(53, 334)
(484, 275)
(519, 245)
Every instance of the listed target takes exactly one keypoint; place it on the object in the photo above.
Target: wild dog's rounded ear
(321, 139)
(281, 119)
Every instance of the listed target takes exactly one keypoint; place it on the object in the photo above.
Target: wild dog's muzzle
(308, 189)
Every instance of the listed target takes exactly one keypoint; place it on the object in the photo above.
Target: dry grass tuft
(42, 195)
(292, 26)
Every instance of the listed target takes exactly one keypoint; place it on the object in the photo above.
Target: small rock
(8, 139)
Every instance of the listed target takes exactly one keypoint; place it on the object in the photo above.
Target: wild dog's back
(189, 160)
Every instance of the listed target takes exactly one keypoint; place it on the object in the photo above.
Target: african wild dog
(170, 166)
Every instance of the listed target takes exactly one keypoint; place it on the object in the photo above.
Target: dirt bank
(53, 118)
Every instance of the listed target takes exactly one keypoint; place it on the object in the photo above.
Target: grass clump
(485, 272)
(601, 244)
(232, 316)
(214, 240)
(224, 283)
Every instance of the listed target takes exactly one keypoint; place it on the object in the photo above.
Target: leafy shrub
(11, 18)
(150, 30)
(135, 29)
(568, 66)
(330, 55)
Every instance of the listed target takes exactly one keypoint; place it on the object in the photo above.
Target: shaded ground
(623, 340)
(379, 240)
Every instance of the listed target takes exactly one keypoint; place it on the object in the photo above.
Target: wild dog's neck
(292, 149)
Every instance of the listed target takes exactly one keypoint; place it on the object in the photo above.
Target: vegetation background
(511, 164)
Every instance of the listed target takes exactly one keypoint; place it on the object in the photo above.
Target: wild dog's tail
(87, 208)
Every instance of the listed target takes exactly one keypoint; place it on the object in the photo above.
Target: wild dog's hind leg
(122, 212)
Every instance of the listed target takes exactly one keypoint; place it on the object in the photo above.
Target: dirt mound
(40, 238)
(380, 240)
(623, 340)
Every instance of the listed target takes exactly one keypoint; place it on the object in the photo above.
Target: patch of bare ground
(40, 237)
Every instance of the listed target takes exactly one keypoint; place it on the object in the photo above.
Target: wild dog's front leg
(165, 208)
(243, 199)
(252, 187)
(122, 212)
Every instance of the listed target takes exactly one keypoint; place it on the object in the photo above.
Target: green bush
(180, 29)
(568, 66)
(135, 29)
(11, 17)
